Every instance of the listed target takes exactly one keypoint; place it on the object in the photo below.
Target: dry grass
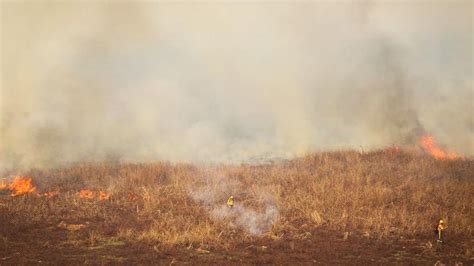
(379, 194)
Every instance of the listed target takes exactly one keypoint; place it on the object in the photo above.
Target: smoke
(250, 220)
(254, 211)
(230, 81)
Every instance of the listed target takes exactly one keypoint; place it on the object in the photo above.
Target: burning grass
(385, 194)
(19, 186)
(429, 145)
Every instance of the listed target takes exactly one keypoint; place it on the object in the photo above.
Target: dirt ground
(49, 244)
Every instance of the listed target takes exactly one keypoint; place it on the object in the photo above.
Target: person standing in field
(439, 230)
(230, 202)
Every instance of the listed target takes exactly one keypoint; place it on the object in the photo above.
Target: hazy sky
(222, 81)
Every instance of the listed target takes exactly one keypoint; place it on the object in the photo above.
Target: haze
(230, 82)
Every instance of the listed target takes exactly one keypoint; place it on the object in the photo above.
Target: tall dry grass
(379, 194)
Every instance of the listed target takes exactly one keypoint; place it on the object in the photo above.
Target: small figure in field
(230, 202)
(439, 230)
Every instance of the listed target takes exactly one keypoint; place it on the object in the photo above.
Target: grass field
(332, 207)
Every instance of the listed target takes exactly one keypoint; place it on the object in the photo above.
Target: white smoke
(256, 216)
(229, 82)
(252, 221)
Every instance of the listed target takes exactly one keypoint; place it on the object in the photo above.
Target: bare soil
(47, 244)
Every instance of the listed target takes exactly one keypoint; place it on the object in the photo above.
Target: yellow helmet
(441, 221)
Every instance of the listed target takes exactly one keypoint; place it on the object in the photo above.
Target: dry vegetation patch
(383, 195)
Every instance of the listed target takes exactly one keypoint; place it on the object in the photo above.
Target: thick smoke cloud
(230, 81)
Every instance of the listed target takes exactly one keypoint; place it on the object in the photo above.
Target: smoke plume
(229, 82)
(244, 214)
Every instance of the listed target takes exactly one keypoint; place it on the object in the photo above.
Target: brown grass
(379, 195)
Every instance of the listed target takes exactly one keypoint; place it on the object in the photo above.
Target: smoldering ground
(255, 217)
(230, 81)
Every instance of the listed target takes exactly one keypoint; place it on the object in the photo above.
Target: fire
(50, 194)
(429, 145)
(85, 193)
(19, 186)
(3, 184)
(24, 185)
(103, 195)
(90, 194)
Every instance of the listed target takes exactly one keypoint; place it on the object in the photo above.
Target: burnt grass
(340, 207)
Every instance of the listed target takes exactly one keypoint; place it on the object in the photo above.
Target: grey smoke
(251, 221)
(213, 196)
(230, 81)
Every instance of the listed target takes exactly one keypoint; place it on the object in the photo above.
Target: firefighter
(230, 202)
(439, 230)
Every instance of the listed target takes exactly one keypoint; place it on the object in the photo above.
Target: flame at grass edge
(429, 145)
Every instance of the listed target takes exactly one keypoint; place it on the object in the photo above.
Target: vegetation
(380, 195)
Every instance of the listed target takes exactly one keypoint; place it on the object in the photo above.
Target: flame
(3, 184)
(85, 193)
(24, 185)
(50, 194)
(90, 194)
(429, 145)
(103, 195)
(19, 186)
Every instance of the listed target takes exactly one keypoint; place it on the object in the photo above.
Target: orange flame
(85, 193)
(50, 194)
(20, 185)
(3, 184)
(429, 145)
(103, 195)
(90, 194)
(24, 185)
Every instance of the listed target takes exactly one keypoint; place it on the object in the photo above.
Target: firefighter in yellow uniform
(230, 202)
(439, 230)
